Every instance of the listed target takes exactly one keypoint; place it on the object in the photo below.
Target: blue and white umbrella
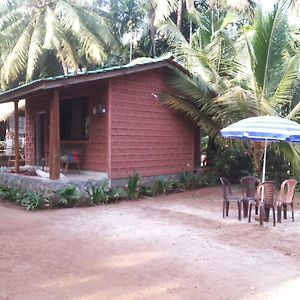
(264, 129)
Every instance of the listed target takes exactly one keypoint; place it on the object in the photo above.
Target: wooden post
(54, 143)
(17, 150)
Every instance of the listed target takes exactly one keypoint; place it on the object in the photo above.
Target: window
(74, 119)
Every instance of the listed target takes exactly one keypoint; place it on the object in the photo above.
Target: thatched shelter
(7, 109)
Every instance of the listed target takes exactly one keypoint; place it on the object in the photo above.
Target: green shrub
(98, 194)
(185, 179)
(208, 179)
(161, 186)
(68, 196)
(116, 193)
(195, 181)
(133, 186)
(230, 162)
(10, 193)
(33, 200)
(146, 190)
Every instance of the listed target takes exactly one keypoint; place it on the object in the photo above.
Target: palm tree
(271, 83)
(32, 29)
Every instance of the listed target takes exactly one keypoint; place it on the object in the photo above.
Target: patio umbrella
(264, 129)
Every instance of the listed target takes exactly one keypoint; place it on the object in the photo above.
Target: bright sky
(267, 4)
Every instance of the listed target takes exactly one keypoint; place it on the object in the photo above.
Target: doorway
(40, 137)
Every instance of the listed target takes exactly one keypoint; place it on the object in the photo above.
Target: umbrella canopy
(264, 128)
(272, 129)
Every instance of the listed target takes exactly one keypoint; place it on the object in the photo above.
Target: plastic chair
(286, 197)
(267, 189)
(249, 185)
(229, 197)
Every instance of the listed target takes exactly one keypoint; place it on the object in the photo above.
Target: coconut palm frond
(89, 41)
(188, 109)
(191, 86)
(237, 103)
(16, 62)
(291, 153)
(269, 46)
(170, 32)
(287, 86)
(36, 46)
(98, 25)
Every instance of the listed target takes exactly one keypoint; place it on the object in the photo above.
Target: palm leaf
(36, 46)
(88, 40)
(16, 62)
(269, 44)
(287, 86)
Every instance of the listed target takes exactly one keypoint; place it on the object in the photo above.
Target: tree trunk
(179, 14)
(257, 156)
(151, 17)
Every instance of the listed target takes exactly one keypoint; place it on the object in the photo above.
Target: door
(40, 137)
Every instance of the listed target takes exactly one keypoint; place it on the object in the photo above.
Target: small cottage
(108, 121)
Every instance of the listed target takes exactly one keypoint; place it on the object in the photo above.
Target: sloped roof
(47, 84)
(7, 109)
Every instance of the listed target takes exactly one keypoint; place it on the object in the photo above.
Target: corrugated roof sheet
(135, 63)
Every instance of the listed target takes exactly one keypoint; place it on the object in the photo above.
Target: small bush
(33, 200)
(146, 190)
(10, 193)
(116, 193)
(133, 186)
(185, 179)
(162, 186)
(98, 194)
(68, 196)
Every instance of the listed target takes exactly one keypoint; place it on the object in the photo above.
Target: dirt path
(171, 247)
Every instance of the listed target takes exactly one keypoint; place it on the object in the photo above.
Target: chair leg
(292, 208)
(285, 211)
(261, 214)
(279, 213)
(239, 210)
(256, 209)
(267, 214)
(249, 213)
(245, 208)
(273, 208)
(227, 208)
(224, 205)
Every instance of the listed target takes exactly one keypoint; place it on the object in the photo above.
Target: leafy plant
(116, 193)
(133, 186)
(33, 200)
(10, 193)
(194, 181)
(146, 190)
(98, 194)
(68, 196)
(185, 179)
(161, 185)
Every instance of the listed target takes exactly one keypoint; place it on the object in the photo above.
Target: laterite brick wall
(146, 137)
(95, 149)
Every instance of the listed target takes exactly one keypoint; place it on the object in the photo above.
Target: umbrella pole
(261, 206)
(264, 162)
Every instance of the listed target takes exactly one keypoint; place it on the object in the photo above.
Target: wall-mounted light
(154, 95)
(99, 110)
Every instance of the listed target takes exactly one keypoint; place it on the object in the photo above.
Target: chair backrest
(249, 185)
(287, 190)
(226, 187)
(268, 190)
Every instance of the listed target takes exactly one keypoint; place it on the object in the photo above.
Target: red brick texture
(95, 149)
(136, 133)
(146, 137)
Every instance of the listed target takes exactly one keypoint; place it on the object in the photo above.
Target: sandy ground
(171, 247)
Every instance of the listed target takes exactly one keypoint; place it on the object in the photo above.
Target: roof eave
(46, 85)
